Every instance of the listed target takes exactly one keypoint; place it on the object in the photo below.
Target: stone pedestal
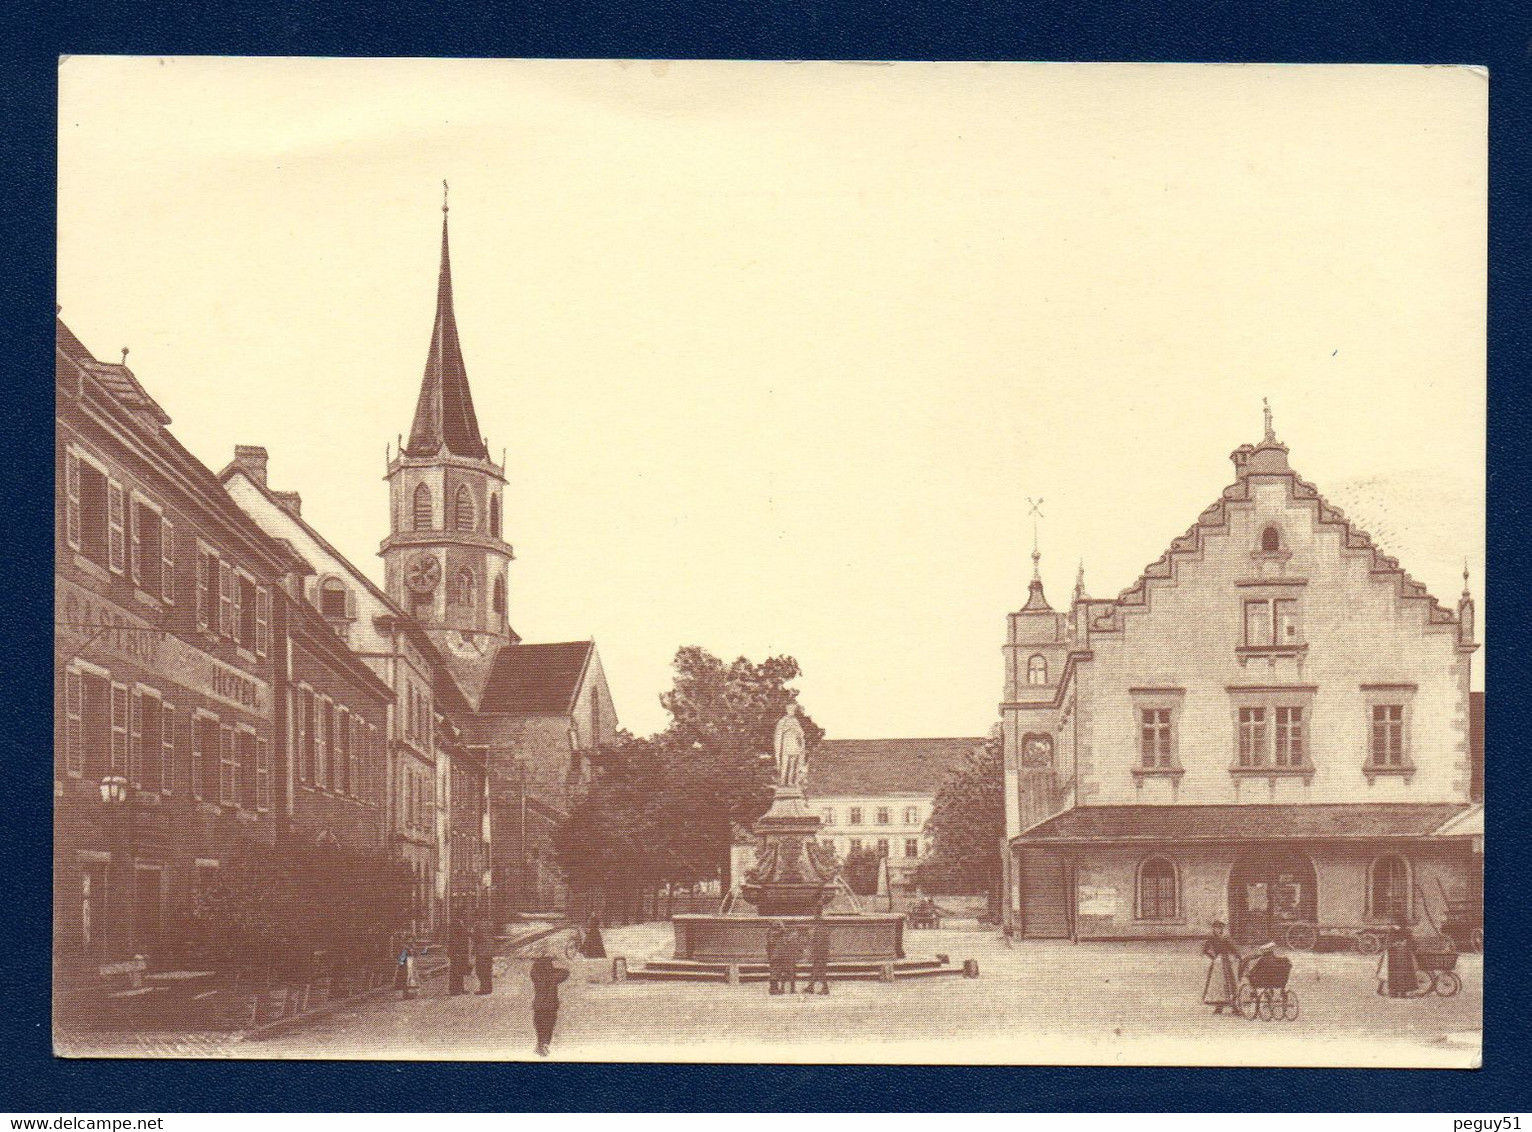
(793, 875)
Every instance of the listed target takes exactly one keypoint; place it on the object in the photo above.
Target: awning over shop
(1469, 823)
(1362, 821)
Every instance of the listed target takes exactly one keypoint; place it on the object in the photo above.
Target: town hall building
(1272, 726)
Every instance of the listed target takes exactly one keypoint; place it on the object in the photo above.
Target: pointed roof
(541, 679)
(1036, 602)
(444, 415)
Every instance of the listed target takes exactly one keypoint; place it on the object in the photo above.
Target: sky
(778, 353)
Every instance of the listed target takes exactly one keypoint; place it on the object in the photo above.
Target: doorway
(1269, 889)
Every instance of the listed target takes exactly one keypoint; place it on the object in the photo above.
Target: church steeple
(446, 556)
(444, 415)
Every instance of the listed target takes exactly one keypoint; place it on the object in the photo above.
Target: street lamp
(114, 789)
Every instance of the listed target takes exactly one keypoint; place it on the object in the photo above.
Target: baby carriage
(1263, 991)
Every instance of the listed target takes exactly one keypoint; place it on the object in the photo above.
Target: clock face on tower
(421, 573)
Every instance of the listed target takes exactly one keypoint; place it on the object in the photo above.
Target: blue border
(1495, 34)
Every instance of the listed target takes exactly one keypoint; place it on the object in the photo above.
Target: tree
(719, 742)
(613, 841)
(278, 908)
(664, 808)
(967, 825)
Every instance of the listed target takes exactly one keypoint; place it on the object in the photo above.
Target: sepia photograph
(765, 562)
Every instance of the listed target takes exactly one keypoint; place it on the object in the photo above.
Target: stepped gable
(1216, 518)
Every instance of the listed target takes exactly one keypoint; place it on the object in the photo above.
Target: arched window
(423, 516)
(466, 516)
(1037, 670)
(332, 597)
(500, 595)
(494, 514)
(466, 588)
(1271, 539)
(1388, 889)
(1158, 890)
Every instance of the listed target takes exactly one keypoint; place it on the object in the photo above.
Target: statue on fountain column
(792, 759)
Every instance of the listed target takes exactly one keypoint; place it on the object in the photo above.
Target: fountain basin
(742, 939)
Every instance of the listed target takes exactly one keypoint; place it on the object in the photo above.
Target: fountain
(793, 881)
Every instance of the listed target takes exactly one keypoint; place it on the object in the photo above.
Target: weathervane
(1035, 509)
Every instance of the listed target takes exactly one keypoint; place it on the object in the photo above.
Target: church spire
(444, 415)
(1036, 602)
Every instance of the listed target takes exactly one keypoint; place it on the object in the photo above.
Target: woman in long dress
(1221, 988)
(1398, 973)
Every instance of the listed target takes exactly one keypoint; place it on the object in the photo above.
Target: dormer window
(1037, 669)
(332, 598)
(1271, 540)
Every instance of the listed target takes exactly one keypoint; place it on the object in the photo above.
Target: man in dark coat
(546, 977)
(458, 952)
(819, 958)
(774, 948)
(483, 957)
(792, 951)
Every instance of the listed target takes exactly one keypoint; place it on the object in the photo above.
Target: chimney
(289, 501)
(252, 458)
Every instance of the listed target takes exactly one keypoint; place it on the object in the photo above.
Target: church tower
(445, 557)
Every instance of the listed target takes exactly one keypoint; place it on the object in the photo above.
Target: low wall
(742, 939)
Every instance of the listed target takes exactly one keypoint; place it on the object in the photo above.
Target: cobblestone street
(1037, 1003)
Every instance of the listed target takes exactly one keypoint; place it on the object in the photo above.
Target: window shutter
(226, 764)
(237, 618)
(168, 560)
(303, 715)
(262, 620)
(167, 747)
(115, 537)
(119, 761)
(197, 731)
(262, 774)
(225, 599)
(204, 588)
(72, 504)
(74, 757)
(135, 541)
(358, 740)
(322, 743)
(136, 740)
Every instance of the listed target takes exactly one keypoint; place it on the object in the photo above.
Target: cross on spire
(1035, 598)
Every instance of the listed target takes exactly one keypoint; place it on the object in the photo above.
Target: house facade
(877, 795)
(1272, 725)
(168, 660)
